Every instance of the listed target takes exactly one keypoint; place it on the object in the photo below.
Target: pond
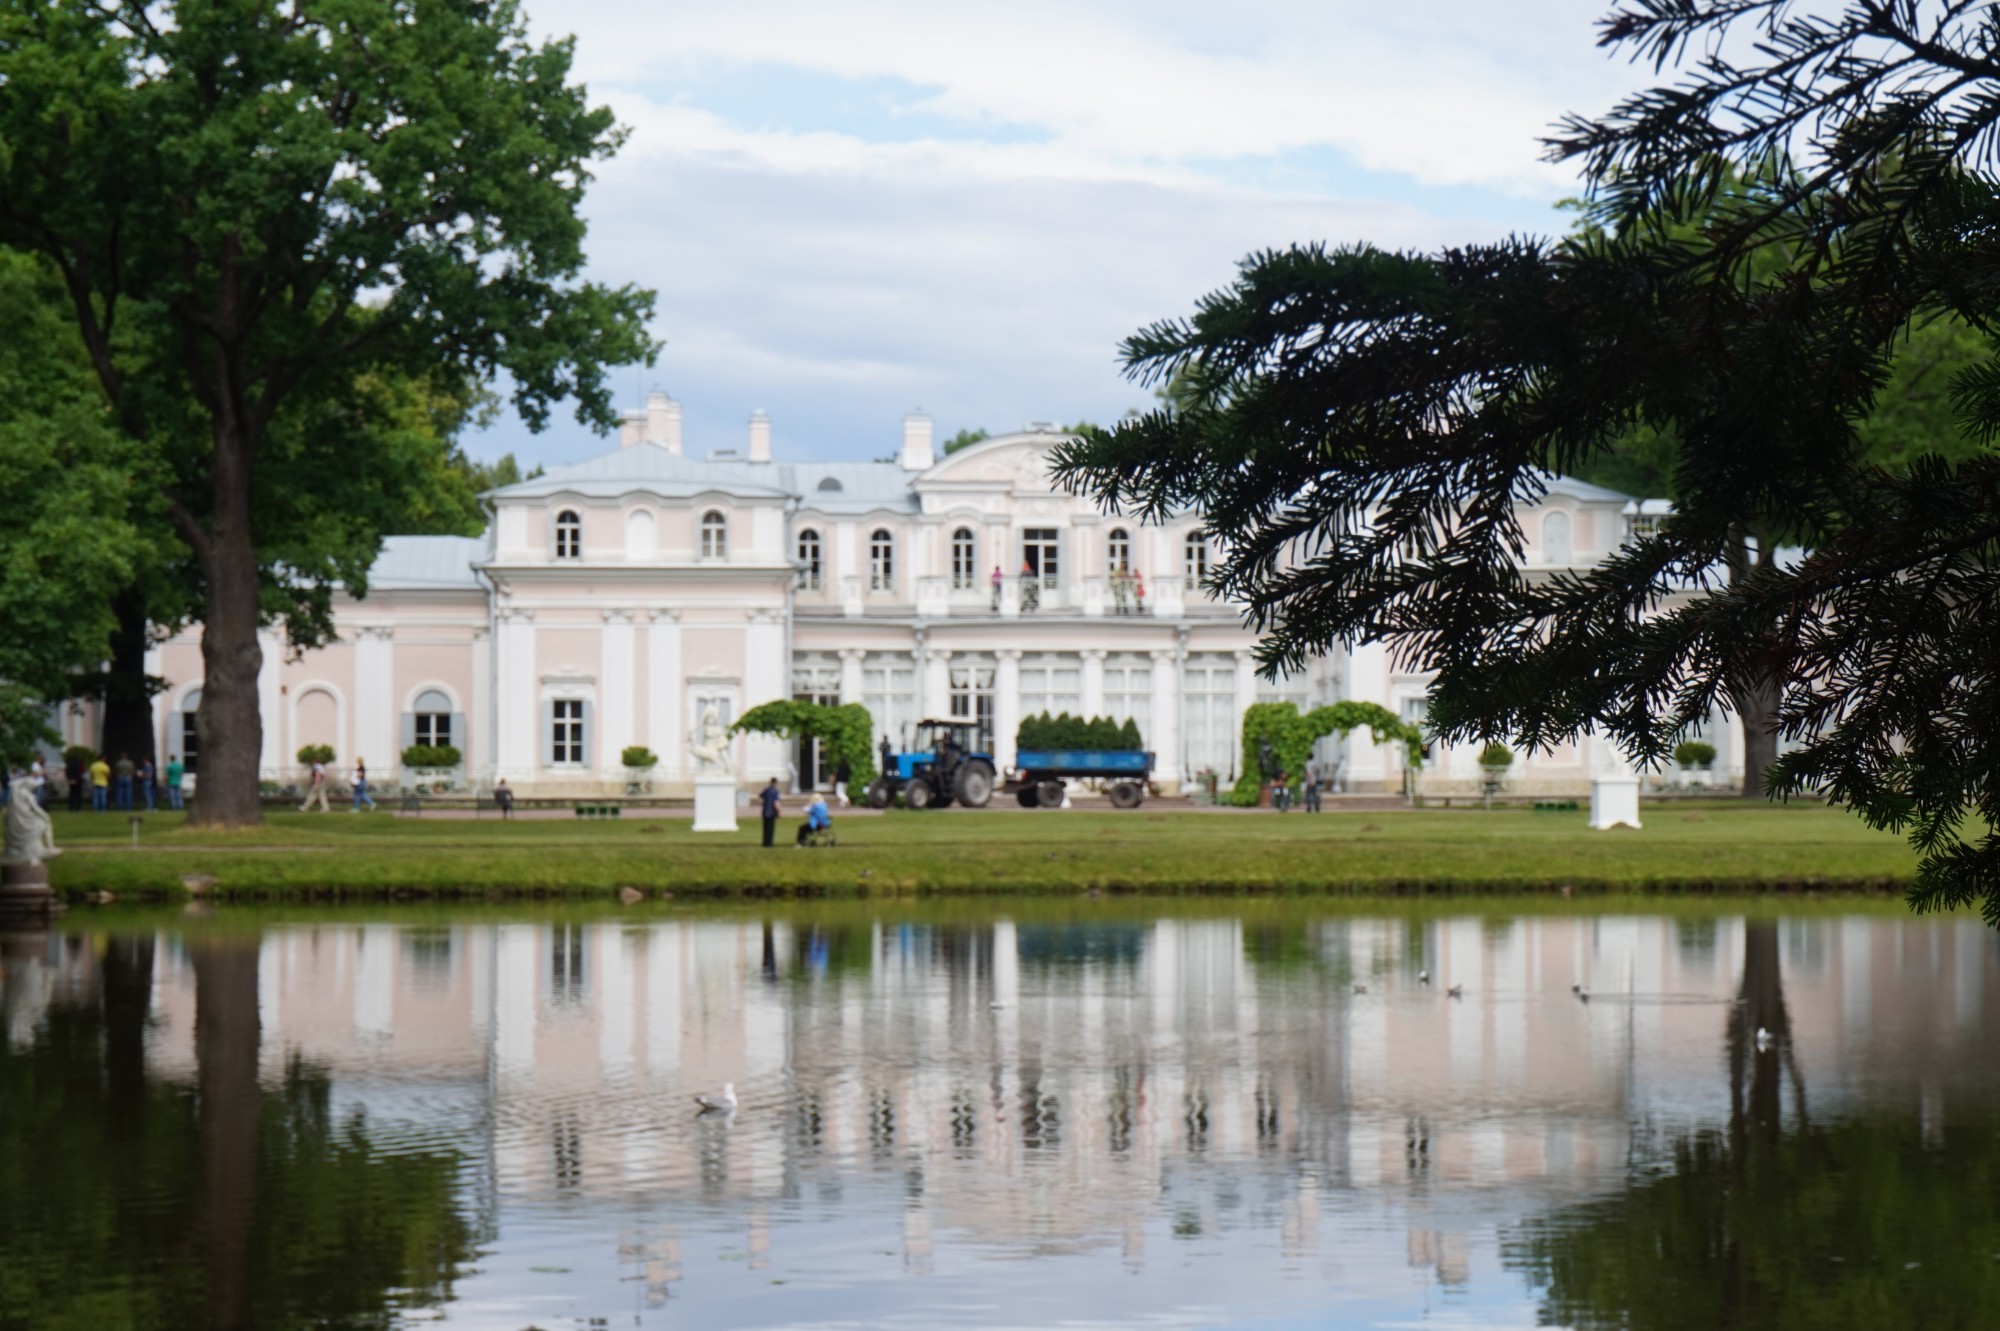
(1002, 1117)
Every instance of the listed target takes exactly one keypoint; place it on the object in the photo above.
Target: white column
(272, 645)
(850, 674)
(375, 701)
(1246, 697)
(767, 677)
(617, 713)
(1164, 731)
(1006, 706)
(1368, 681)
(479, 720)
(936, 699)
(516, 719)
(1093, 681)
(663, 693)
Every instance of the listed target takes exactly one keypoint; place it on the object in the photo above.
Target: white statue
(710, 744)
(31, 838)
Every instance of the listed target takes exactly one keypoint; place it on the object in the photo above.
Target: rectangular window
(972, 699)
(889, 692)
(1041, 553)
(190, 742)
(1208, 714)
(1053, 685)
(1128, 693)
(433, 728)
(568, 736)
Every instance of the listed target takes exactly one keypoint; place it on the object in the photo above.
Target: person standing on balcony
(997, 580)
(1139, 590)
(1031, 588)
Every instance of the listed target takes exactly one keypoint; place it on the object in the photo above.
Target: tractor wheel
(880, 795)
(917, 795)
(1126, 795)
(973, 785)
(1049, 793)
(1028, 797)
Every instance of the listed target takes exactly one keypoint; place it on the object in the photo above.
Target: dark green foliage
(79, 753)
(1292, 736)
(432, 755)
(638, 755)
(323, 753)
(1366, 427)
(1496, 754)
(1694, 753)
(1099, 734)
(846, 731)
(963, 439)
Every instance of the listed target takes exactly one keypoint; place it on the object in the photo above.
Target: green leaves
(847, 731)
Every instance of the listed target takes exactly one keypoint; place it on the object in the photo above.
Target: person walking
(122, 773)
(316, 789)
(769, 799)
(100, 784)
(1312, 787)
(361, 795)
(843, 772)
(77, 773)
(176, 778)
(148, 784)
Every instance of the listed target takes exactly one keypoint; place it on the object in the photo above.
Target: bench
(597, 811)
(1558, 806)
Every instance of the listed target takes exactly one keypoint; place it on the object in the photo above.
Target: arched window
(1555, 539)
(714, 535)
(881, 560)
(642, 535)
(831, 484)
(430, 719)
(964, 573)
(1196, 561)
(569, 535)
(190, 736)
(810, 569)
(1118, 551)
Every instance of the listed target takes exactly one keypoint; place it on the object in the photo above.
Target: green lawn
(1713, 847)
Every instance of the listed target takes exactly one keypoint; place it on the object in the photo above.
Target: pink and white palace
(608, 603)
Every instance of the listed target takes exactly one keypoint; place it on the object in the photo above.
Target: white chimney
(663, 421)
(760, 436)
(918, 454)
(631, 428)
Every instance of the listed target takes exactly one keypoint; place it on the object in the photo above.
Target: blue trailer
(1037, 780)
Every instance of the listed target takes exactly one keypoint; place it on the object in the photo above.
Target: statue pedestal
(1614, 801)
(24, 890)
(715, 804)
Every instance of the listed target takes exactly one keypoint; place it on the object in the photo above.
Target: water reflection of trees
(1860, 1223)
(130, 1202)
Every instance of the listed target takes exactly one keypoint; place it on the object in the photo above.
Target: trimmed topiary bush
(1694, 753)
(316, 753)
(638, 755)
(1496, 754)
(431, 755)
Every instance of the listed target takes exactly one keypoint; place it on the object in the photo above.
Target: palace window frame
(714, 535)
(881, 560)
(812, 555)
(964, 560)
(569, 534)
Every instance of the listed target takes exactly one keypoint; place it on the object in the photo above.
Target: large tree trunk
(226, 1037)
(128, 697)
(229, 723)
(1757, 707)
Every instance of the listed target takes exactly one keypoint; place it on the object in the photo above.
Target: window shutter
(548, 733)
(409, 734)
(589, 738)
(458, 736)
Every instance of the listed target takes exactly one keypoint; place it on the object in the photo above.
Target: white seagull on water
(725, 1102)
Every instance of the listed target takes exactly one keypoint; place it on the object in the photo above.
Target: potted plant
(1494, 761)
(1695, 758)
(431, 769)
(639, 764)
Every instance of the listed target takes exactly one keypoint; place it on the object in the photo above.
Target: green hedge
(431, 755)
(1097, 734)
(1292, 737)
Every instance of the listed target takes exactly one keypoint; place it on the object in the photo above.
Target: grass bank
(1715, 847)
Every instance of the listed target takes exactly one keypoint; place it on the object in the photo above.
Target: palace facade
(609, 602)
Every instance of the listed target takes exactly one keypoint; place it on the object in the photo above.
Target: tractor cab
(941, 765)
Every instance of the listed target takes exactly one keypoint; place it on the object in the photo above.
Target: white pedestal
(714, 804)
(1614, 801)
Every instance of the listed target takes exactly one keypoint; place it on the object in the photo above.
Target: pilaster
(664, 692)
(1006, 707)
(1165, 722)
(1093, 680)
(375, 700)
(616, 706)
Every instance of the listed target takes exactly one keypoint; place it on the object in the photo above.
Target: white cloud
(1075, 171)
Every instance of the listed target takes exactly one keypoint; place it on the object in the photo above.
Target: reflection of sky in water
(1165, 1123)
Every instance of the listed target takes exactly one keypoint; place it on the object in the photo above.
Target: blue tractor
(943, 766)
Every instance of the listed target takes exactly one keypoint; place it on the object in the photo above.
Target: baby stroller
(817, 830)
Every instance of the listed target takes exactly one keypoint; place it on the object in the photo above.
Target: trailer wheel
(1027, 796)
(1126, 795)
(880, 795)
(1049, 794)
(917, 795)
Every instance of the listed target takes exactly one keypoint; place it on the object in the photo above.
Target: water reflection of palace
(1045, 1087)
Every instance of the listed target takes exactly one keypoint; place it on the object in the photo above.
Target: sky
(854, 211)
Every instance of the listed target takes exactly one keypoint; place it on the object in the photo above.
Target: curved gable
(1018, 462)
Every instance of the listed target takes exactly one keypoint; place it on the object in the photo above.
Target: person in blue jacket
(768, 798)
